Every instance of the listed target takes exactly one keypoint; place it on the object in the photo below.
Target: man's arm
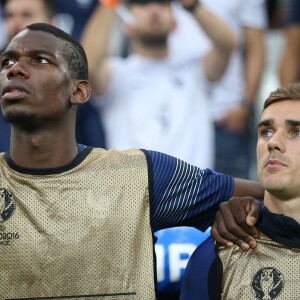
(290, 59)
(235, 219)
(184, 195)
(237, 119)
(95, 41)
(222, 37)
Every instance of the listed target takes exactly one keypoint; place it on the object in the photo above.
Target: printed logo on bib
(7, 205)
(267, 283)
(7, 209)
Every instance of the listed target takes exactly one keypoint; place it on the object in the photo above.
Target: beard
(26, 121)
(153, 40)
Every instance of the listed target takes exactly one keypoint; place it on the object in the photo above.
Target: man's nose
(18, 69)
(277, 142)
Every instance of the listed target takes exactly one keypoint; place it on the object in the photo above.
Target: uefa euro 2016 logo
(267, 283)
(7, 205)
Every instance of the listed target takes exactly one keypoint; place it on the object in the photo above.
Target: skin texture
(39, 99)
(290, 58)
(278, 152)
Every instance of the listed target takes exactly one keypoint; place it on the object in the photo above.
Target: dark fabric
(293, 16)
(195, 282)
(79, 11)
(4, 134)
(89, 129)
(281, 229)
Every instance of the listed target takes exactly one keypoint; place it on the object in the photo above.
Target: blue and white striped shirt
(182, 194)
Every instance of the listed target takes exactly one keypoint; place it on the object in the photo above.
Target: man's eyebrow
(265, 123)
(9, 53)
(270, 122)
(293, 122)
(13, 53)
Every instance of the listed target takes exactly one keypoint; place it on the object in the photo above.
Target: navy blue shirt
(204, 272)
(293, 16)
(75, 14)
(4, 134)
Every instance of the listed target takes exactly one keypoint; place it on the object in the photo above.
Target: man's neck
(288, 207)
(150, 52)
(42, 150)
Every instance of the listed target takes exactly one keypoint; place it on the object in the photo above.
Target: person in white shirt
(150, 99)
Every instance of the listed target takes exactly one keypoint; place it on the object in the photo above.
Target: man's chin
(27, 121)
(154, 40)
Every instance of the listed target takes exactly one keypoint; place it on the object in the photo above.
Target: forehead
(145, 5)
(17, 6)
(29, 40)
(282, 110)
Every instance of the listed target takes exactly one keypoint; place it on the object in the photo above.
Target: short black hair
(49, 5)
(73, 51)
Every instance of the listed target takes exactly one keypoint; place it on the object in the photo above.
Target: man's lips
(14, 91)
(14, 94)
(275, 163)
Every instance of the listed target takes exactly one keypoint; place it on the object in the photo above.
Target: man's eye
(41, 60)
(7, 62)
(266, 133)
(296, 132)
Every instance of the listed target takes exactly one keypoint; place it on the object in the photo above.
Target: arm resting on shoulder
(234, 222)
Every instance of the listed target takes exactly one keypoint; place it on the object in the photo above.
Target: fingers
(227, 232)
(240, 209)
(254, 212)
(220, 234)
(230, 226)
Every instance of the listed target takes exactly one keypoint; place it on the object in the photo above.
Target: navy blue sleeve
(4, 134)
(293, 16)
(182, 194)
(89, 128)
(195, 283)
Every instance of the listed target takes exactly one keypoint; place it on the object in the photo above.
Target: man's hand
(235, 120)
(234, 222)
(189, 5)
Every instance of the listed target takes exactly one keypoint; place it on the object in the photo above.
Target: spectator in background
(233, 97)
(17, 15)
(290, 59)
(150, 100)
(20, 13)
(72, 15)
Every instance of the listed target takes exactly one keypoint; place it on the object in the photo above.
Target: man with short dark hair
(17, 15)
(78, 221)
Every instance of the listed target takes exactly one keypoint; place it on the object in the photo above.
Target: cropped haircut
(49, 6)
(288, 92)
(72, 51)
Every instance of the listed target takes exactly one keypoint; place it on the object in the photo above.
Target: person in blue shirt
(272, 268)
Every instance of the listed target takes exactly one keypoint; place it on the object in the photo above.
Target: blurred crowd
(166, 79)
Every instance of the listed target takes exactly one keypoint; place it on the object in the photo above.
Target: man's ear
(81, 92)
